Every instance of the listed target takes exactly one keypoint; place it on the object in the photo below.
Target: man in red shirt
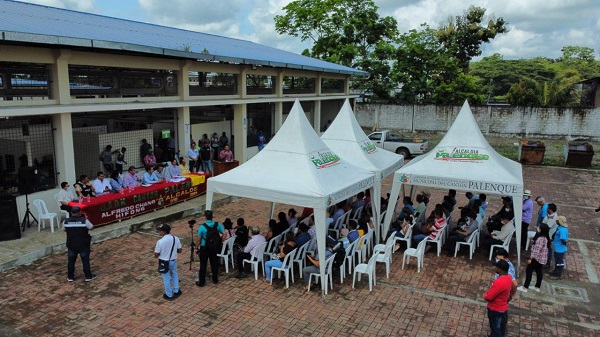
(498, 296)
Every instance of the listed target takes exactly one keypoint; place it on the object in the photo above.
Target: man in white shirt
(249, 250)
(166, 249)
(65, 196)
(101, 185)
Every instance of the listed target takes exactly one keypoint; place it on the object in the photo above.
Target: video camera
(192, 223)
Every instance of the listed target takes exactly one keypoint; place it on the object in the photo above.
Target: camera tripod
(26, 220)
(192, 245)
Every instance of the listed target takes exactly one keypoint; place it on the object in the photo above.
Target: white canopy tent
(295, 168)
(464, 160)
(347, 139)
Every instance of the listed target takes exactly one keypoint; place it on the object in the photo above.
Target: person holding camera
(287, 247)
(314, 269)
(166, 249)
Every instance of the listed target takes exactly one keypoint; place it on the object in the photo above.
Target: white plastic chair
(272, 246)
(357, 214)
(471, 242)
(385, 256)
(300, 258)
(407, 236)
(439, 239)
(256, 261)
(227, 253)
(349, 259)
(328, 274)
(418, 252)
(366, 268)
(530, 236)
(337, 226)
(505, 244)
(43, 215)
(381, 246)
(62, 212)
(286, 268)
(366, 245)
(307, 219)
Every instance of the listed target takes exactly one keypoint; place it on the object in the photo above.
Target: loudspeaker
(9, 221)
(28, 180)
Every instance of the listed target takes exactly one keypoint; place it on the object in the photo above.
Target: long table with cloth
(128, 203)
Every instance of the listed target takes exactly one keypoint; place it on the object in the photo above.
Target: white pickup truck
(401, 145)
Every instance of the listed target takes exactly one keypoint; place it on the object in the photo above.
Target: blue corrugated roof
(24, 22)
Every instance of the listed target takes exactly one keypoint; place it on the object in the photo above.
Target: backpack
(212, 241)
(339, 259)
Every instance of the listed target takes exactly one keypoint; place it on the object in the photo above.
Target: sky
(536, 27)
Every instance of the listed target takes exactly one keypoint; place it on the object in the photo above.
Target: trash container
(579, 154)
(531, 152)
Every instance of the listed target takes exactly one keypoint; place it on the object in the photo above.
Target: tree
(347, 32)
(525, 93)
(463, 35)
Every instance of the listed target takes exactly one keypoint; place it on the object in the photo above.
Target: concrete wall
(493, 120)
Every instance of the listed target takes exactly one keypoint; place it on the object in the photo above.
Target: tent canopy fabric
(296, 168)
(347, 139)
(464, 160)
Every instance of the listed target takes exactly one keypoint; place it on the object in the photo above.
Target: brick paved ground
(445, 299)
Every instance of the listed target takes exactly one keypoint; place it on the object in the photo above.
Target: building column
(59, 77)
(63, 148)
(183, 131)
(317, 117)
(278, 120)
(240, 132)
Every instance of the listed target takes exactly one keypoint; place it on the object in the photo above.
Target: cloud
(78, 5)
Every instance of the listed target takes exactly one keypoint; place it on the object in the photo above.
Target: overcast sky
(537, 27)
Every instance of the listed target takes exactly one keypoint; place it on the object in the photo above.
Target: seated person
(292, 220)
(409, 204)
(150, 176)
(401, 225)
(353, 232)
(358, 203)
(174, 170)
(287, 247)
(302, 237)
(431, 229)
(241, 233)
(101, 185)
(116, 182)
(460, 234)
(273, 230)
(315, 260)
(160, 172)
(65, 196)
(226, 154)
(229, 231)
(339, 211)
(344, 238)
(84, 188)
(494, 222)
(183, 168)
(249, 250)
(282, 225)
(306, 212)
(498, 237)
(131, 178)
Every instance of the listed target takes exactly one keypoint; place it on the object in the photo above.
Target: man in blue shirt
(559, 243)
(353, 233)
(150, 176)
(204, 252)
(543, 212)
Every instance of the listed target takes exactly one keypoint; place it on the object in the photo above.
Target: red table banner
(112, 207)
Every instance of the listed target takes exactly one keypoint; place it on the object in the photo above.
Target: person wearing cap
(497, 298)
(526, 217)
(559, 243)
(78, 243)
(166, 249)
(204, 253)
(250, 250)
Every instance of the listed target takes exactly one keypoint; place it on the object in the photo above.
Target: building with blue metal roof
(72, 83)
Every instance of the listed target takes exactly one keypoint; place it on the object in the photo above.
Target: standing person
(261, 141)
(550, 220)
(150, 158)
(193, 159)
(543, 212)
(223, 141)
(538, 258)
(166, 249)
(78, 243)
(226, 154)
(208, 233)
(144, 148)
(205, 156)
(214, 144)
(559, 243)
(106, 158)
(498, 297)
(121, 160)
(249, 250)
(526, 218)
(171, 147)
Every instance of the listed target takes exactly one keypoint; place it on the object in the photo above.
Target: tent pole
(321, 244)
(272, 210)
(391, 209)
(518, 208)
(209, 200)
